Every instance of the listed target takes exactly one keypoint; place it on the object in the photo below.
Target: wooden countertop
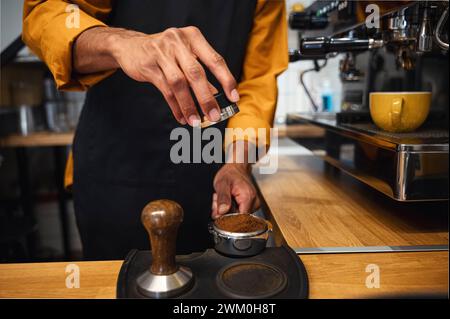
(316, 206)
(37, 139)
(300, 130)
(330, 276)
(62, 139)
(311, 206)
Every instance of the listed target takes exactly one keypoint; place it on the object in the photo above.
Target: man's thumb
(223, 198)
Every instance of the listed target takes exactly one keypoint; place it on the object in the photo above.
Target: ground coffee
(240, 223)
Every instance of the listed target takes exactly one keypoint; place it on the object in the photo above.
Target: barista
(140, 61)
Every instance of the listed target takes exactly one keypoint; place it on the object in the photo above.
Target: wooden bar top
(300, 130)
(330, 276)
(314, 205)
(45, 138)
(38, 139)
(310, 205)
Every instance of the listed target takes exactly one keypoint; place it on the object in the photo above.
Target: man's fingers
(179, 86)
(214, 208)
(223, 191)
(213, 60)
(246, 196)
(196, 76)
(246, 206)
(169, 96)
(212, 89)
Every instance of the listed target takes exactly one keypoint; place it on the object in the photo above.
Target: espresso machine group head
(408, 30)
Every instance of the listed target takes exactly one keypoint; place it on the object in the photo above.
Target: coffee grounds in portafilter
(241, 223)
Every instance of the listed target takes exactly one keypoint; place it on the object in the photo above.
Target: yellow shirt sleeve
(266, 57)
(50, 28)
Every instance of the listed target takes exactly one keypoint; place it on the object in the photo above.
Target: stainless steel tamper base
(165, 286)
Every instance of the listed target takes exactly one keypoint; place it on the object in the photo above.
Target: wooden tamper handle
(161, 219)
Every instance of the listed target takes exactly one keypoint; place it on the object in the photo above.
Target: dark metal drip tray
(275, 273)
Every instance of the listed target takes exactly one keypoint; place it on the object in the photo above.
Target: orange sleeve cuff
(50, 32)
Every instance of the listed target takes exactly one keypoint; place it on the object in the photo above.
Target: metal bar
(369, 249)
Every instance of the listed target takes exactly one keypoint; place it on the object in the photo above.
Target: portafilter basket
(236, 244)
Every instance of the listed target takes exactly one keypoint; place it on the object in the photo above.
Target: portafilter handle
(322, 45)
(161, 219)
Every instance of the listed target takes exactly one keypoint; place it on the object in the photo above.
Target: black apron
(122, 143)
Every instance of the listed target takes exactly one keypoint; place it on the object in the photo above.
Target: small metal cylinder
(227, 110)
(165, 286)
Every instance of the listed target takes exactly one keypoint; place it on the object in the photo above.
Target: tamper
(227, 110)
(164, 278)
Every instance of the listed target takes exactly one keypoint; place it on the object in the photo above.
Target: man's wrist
(116, 38)
(114, 41)
(100, 47)
(93, 49)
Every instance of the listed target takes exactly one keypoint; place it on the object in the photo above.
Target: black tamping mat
(277, 272)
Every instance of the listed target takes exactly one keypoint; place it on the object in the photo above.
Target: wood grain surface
(37, 139)
(310, 205)
(401, 275)
(330, 276)
(300, 130)
(48, 280)
(314, 205)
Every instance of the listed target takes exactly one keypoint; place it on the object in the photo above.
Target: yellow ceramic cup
(399, 111)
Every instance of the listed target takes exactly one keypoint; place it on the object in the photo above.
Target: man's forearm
(94, 50)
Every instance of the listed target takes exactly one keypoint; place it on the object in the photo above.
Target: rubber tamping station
(164, 278)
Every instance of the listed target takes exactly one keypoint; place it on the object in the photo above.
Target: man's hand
(168, 60)
(233, 181)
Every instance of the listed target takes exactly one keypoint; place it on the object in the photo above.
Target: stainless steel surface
(400, 27)
(369, 249)
(225, 114)
(404, 166)
(437, 33)
(348, 70)
(26, 120)
(422, 140)
(425, 37)
(158, 286)
(375, 44)
(240, 244)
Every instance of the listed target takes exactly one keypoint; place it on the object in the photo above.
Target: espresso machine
(383, 46)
